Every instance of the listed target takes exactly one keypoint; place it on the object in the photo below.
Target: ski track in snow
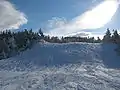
(73, 66)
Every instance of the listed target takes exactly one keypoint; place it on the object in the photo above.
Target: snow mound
(72, 66)
(62, 54)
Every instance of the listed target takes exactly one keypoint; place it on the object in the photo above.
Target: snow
(71, 66)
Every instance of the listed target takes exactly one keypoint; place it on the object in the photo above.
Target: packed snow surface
(72, 66)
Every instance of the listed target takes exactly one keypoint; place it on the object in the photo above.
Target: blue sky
(41, 13)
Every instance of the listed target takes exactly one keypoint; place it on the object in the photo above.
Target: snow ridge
(72, 66)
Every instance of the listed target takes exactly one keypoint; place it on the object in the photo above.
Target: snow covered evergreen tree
(107, 37)
(116, 37)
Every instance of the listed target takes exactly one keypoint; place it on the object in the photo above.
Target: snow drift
(72, 66)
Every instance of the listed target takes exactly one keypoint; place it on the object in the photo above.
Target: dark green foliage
(12, 43)
(70, 39)
(98, 40)
(25, 39)
(111, 38)
(115, 37)
(4, 50)
(41, 33)
(107, 37)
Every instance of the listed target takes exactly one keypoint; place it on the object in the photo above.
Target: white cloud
(56, 22)
(91, 19)
(82, 34)
(10, 17)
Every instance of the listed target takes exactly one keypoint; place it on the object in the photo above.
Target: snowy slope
(73, 66)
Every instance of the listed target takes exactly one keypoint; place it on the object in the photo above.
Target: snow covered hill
(73, 66)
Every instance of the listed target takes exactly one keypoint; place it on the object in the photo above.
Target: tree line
(111, 38)
(12, 43)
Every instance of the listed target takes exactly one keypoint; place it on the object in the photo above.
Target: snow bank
(60, 54)
(73, 66)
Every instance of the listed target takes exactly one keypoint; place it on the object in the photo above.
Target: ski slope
(71, 66)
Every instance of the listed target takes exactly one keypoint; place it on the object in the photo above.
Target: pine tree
(98, 40)
(4, 50)
(107, 37)
(115, 37)
(12, 46)
(41, 33)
